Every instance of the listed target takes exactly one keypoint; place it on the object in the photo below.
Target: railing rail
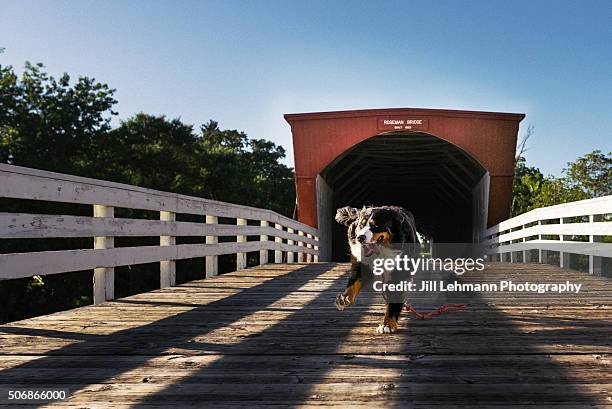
(275, 232)
(561, 228)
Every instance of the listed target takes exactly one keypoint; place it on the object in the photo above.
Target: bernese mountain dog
(368, 228)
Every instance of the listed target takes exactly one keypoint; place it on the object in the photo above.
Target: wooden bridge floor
(271, 336)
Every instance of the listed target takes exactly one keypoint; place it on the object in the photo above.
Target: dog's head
(376, 225)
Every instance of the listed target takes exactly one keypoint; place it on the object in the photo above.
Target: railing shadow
(445, 361)
(157, 337)
(480, 356)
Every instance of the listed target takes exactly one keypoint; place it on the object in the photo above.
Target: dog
(369, 228)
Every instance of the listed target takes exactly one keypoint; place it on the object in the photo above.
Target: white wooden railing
(286, 237)
(556, 228)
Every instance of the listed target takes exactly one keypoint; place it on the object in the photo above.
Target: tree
(52, 123)
(149, 151)
(591, 173)
(64, 126)
(526, 186)
(245, 171)
(554, 191)
(587, 177)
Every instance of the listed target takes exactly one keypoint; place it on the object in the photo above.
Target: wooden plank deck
(271, 336)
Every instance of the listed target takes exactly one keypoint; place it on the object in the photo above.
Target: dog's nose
(361, 238)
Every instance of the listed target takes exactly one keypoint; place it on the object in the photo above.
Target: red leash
(445, 308)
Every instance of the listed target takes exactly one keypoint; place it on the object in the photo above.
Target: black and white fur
(381, 225)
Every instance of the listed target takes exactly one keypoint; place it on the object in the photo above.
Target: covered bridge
(452, 169)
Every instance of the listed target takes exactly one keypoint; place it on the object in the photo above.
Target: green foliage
(52, 124)
(587, 177)
(65, 126)
(591, 174)
(527, 184)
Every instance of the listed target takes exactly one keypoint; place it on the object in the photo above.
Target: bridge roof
(400, 111)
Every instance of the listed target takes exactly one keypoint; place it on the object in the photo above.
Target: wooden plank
(278, 254)
(290, 254)
(301, 245)
(269, 336)
(26, 183)
(592, 249)
(212, 262)
(20, 265)
(596, 206)
(578, 229)
(25, 226)
(167, 268)
(263, 254)
(104, 276)
(241, 260)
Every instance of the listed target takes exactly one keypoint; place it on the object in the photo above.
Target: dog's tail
(346, 215)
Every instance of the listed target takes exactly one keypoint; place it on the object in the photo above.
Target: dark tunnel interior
(426, 175)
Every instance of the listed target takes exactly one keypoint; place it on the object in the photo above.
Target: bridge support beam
(104, 277)
(326, 212)
(263, 254)
(167, 268)
(241, 258)
(212, 262)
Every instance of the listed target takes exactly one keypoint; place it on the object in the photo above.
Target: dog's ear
(346, 215)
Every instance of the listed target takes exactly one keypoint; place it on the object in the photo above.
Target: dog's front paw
(387, 327)
(384, 329)
(342, 301)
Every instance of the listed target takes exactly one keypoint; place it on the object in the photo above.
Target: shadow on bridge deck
(271, 336)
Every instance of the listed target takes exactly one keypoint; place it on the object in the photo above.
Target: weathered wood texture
(557, 228)
(271, 336)
(32, 184)
(27, 183)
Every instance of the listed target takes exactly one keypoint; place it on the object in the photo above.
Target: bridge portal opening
(444, 187)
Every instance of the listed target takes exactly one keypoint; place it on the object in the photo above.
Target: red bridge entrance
(452, 169)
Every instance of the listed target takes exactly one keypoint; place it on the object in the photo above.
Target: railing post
(167, 268)
(278, 254)
(594, 261)
(263, 254)
(104, 277)
(290, 242)
(212, 262)
(300, 244)
(564, 258)
(308, 245)
(316, 256)
(524, 251)
(241, 258)
(541, 254)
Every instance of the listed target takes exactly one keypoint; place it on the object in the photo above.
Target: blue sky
(246, 63)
